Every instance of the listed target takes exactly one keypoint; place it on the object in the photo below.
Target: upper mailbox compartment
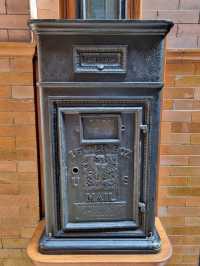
(117, 50)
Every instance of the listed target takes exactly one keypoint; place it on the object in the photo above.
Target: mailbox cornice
(98, 27)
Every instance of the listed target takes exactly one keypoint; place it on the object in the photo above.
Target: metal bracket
(142, 207)
(144, 129)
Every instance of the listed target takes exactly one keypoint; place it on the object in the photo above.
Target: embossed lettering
(100, 197)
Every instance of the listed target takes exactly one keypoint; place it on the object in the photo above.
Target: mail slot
(100, 59)
(99, 108)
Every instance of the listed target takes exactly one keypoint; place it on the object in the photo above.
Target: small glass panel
(96, 127)
(102, 9)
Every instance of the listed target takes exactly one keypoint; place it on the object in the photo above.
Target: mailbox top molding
(99, 27)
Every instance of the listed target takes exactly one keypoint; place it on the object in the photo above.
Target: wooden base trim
(77, 260)
(17, 49)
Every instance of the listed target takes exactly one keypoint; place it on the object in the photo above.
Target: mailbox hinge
(144, 129)
(142, 207)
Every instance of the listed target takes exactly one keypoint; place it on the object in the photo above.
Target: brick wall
(179, 176)
(186, 15)
(48, 9)
(13, 20)
(19, 212)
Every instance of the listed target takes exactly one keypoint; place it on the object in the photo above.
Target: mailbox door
(99, 150)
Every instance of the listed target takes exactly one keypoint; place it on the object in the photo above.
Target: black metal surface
(99, 101)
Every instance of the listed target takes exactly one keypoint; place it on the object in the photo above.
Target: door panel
(99, 151)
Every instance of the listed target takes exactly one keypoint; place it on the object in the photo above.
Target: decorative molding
(17, 49)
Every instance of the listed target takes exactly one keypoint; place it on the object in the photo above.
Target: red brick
(21, 64)
(184, 211)
(9, 105)
(6, 118)
(169, 115)
(25, 143)
(13, 21)
(8, 166)
(175, 221)
(47, 4)
(149, 14)
(188, 260)
(173, 138)
(5, 91)
(194, 160)
(17, 7)
(9, 189)
(194, 181)
(188, 4)
(2, 6)
(180, 68)
(27, 177)
(30, 131)
(27, 232)
(48, 13)
(172, 202)
(178, 93)
(15, 243)
(186, 230)
(7, 143)
(189, 250)
(7, 155)
(26, 155)
(180, 16)
(7, 253)
(3, 35)
(195, 139)
(8, 178)
(173, 160)
(4, 64)
(160, 4)
(167, 104)
(196, 116)
(24, 118)
(187, 80)
(186, 104)
(188, 30)
(193, 201)
(26, 166)
(19, 35)
(180, 149)
(22, 92)
(7, 131)
(183, 127)
(197, 93)
(183, 42)
(185, 191)
(169, 80)
(173, 181)
(192, 220)
(182, 170)
(13, 78)
(18, 262)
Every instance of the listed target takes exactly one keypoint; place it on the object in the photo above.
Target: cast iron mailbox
(99, 104)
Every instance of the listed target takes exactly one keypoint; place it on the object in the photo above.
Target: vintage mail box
(99, 110)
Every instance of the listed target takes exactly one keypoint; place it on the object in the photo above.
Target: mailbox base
(161, 258)
(100, 245)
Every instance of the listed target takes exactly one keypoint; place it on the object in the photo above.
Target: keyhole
(123, 128)
(75, 170)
